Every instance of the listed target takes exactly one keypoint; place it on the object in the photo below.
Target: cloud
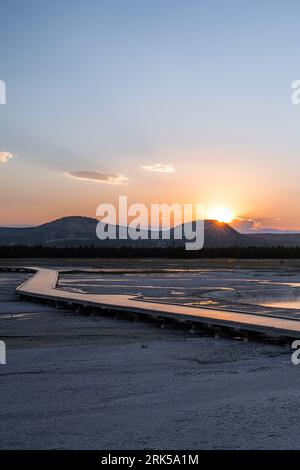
(261, 225)
(246, 225)
(98, 176)
(5, 156)
(159, 168)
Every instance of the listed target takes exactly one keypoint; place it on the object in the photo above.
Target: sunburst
(221, 214)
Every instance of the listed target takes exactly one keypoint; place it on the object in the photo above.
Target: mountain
(60, 232)
(81, 231)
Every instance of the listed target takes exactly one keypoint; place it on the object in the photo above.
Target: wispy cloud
(5, 156)
(99, 176)
(261, 225)
(160, 168)
(245, 225)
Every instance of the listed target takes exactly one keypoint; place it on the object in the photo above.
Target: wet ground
(247, 290)
(73, 381)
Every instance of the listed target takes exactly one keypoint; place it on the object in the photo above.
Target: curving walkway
(43, 285)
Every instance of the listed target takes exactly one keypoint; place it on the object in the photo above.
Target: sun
(221, 214)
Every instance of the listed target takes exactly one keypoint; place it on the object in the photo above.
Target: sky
(163, 101)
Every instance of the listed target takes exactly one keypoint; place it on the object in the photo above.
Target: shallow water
(291, 303)
(249, 290)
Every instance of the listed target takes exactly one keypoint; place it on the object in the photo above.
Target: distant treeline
(279, 252)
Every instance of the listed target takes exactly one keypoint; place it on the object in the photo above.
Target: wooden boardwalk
(42, 285)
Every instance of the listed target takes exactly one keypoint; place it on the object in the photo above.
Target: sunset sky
(162, 100)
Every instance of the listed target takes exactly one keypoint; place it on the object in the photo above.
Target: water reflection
(287, 303)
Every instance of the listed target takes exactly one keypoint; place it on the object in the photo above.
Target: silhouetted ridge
(78, 231)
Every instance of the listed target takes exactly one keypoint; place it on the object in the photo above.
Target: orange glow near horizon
(221, 214)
